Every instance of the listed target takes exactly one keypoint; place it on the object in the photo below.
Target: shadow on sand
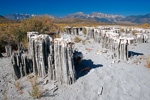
(85, 66)
(131, 53)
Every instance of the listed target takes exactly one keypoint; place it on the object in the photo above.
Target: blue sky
(62, 8)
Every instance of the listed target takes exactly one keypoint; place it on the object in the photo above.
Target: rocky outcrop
(64, 63)
(116, 43)
(45, 59)
(8, 50)
(1, 54)
(22, 65)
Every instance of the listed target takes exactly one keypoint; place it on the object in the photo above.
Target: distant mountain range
(5, 20)
(139, 19)
(100, 17)
(96, 17)
(17, 16)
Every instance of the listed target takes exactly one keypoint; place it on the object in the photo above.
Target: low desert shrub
(18, 86)
(148, 62)
(77, 39)
(84, 31)
(83, 42)
(134, 32)
(136, 61)
(142, 57)
(36, 93)
(5, 96)
(122, 30)
(57, 36)
(16, 34)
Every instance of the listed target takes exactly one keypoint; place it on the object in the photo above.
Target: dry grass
(88, 49)
(147, 62)
(57, 36)
(77, 39)
(18, 86)
(83, 42)
(136, 61)
(84, 32)
(36, 93)
(5, 96)
(142, 57)
(122, 30)
(134, 32)
(25, 43)
(21, 92)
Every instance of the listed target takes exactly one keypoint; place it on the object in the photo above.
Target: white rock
(100, 91)
(45, 82)
(92, 70)
(113, 62)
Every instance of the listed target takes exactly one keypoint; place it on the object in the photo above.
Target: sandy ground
(106, 79)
